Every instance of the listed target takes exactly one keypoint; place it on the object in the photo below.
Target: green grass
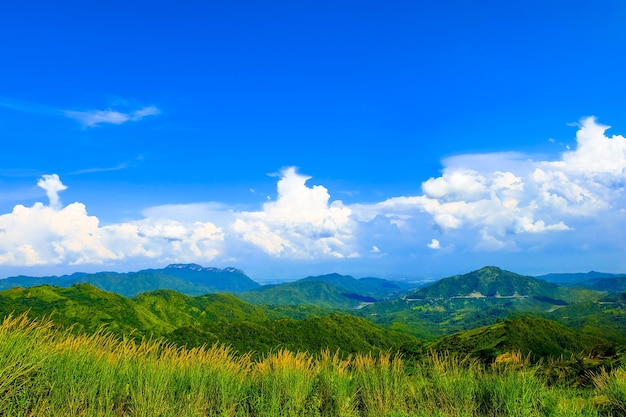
(50, 372)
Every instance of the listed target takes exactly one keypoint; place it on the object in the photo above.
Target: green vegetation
(493, 282)
(202, 320)
(318, 293)
(534, 338)
(494, 348)
(604, 317)
(47, 372)
(479, 298)
(370, 287)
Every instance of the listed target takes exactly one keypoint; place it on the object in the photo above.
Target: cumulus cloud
(434, 244)
(495, 199)
(301, 223)
(502, 202)
(49, 235)
(53, 185)
(92, 118)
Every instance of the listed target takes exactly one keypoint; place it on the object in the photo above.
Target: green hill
(605, 317)
(182, 310)
(84, 305)
(376, 288)
(196, 321)
(539, 338)
(493, 282)
(346, 333)
(318, 293)
(471, 300)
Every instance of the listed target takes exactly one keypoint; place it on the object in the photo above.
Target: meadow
(45, 371)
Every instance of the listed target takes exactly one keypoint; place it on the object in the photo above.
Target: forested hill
(196, 321)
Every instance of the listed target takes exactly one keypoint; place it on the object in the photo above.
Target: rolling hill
(376, 288)
(492, 282)
(304, 292)
(479, 298)
(539, 338)
(195, 321)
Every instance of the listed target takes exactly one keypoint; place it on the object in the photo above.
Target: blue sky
(396, 139)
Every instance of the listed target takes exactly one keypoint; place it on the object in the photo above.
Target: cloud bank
(481, 203)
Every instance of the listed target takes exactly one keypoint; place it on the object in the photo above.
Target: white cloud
(301, 223)
(434, 244)
(50, 235)
(94, 118)
(491, 200)
(505, 202)
(53, 185)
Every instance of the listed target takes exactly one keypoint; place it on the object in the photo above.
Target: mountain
(605, 317)
(613, 284)
(345, 333)
(318, 293)
(196, 321)
(377, 288)
(492, 282)
(222, 280)
(83, 305)
(539, 338)
(576, 278)
(479, 298)
(189, 279)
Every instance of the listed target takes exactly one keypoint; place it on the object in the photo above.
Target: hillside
(376, 288)
(479, 298)
(536, 337)
(304, 292)
(83, 305)
(493, 282)
(345, 333)
(197, 321)
(605, 317)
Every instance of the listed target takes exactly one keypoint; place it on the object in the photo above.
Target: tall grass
(48, 372)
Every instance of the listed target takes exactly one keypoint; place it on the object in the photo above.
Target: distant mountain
(222, 280)
(304, 292)
(535, 336)
(191, 279)
(467, 301)
(615, 284)
(377, 288)
(577, 278)
(493, 282)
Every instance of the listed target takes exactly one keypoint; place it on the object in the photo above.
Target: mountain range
(191, 279)
(484, 312)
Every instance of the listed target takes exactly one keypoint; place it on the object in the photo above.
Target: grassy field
(48, 372)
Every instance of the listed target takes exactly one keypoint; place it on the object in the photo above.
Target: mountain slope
(317, 293)
(493, 282)
(605, 317)
(85, 305)
(377, 288)
(196, 321)
(471, 300)
(538, 337)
